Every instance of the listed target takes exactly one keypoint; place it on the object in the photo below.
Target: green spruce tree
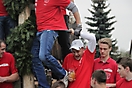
(101, 25)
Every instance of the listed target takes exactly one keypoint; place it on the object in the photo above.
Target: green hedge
(15, 7)
(19, 43)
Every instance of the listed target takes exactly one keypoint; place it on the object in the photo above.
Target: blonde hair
(106, 41)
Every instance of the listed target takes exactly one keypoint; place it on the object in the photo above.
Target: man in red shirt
(6, 22)
(80, 61)
(105, 62)
(8, 71)
(125, 71)
(50, 20)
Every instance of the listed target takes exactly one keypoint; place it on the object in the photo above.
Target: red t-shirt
(3, 11)
(123, 83)
(49, 14)
(63, 10)
(7, 67)
(83, 69)
(110, 67)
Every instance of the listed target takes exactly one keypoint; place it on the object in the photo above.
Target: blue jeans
(41, 52)
(6, 23)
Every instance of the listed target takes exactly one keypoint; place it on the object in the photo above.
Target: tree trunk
(28, 81)
(24, 15)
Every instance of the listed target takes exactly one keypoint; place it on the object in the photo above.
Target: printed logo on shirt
(108, 75)
(4, 65)
(46, 1)
(108, 72)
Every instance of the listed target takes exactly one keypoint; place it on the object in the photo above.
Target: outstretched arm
(89, 36)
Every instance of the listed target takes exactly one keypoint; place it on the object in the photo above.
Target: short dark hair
(100, 76)
(1, 41)
(58, 84)
(125, 62)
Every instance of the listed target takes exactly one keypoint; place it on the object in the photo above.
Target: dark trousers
(64, 40)
(6, 23)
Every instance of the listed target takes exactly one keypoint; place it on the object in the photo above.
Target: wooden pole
(24, 15)
(28, 80)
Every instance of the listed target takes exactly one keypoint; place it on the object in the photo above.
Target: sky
(121, 9)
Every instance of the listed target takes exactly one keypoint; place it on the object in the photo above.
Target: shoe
(65, 79)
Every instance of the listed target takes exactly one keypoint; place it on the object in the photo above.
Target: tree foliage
(15, 7)
(101, 24)
(20, 42)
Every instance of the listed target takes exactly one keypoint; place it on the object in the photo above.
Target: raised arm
(91, 40)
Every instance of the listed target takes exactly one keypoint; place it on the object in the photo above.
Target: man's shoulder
(111, 60)
(7, 54)
(96, 59)
(70, 55)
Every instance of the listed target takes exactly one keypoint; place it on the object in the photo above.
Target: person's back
(3, 11)
(49, 15)
(98, 79)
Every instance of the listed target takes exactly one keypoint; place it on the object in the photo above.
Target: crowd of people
(79, 68)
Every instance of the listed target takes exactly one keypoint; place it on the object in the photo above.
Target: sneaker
(65, 79)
